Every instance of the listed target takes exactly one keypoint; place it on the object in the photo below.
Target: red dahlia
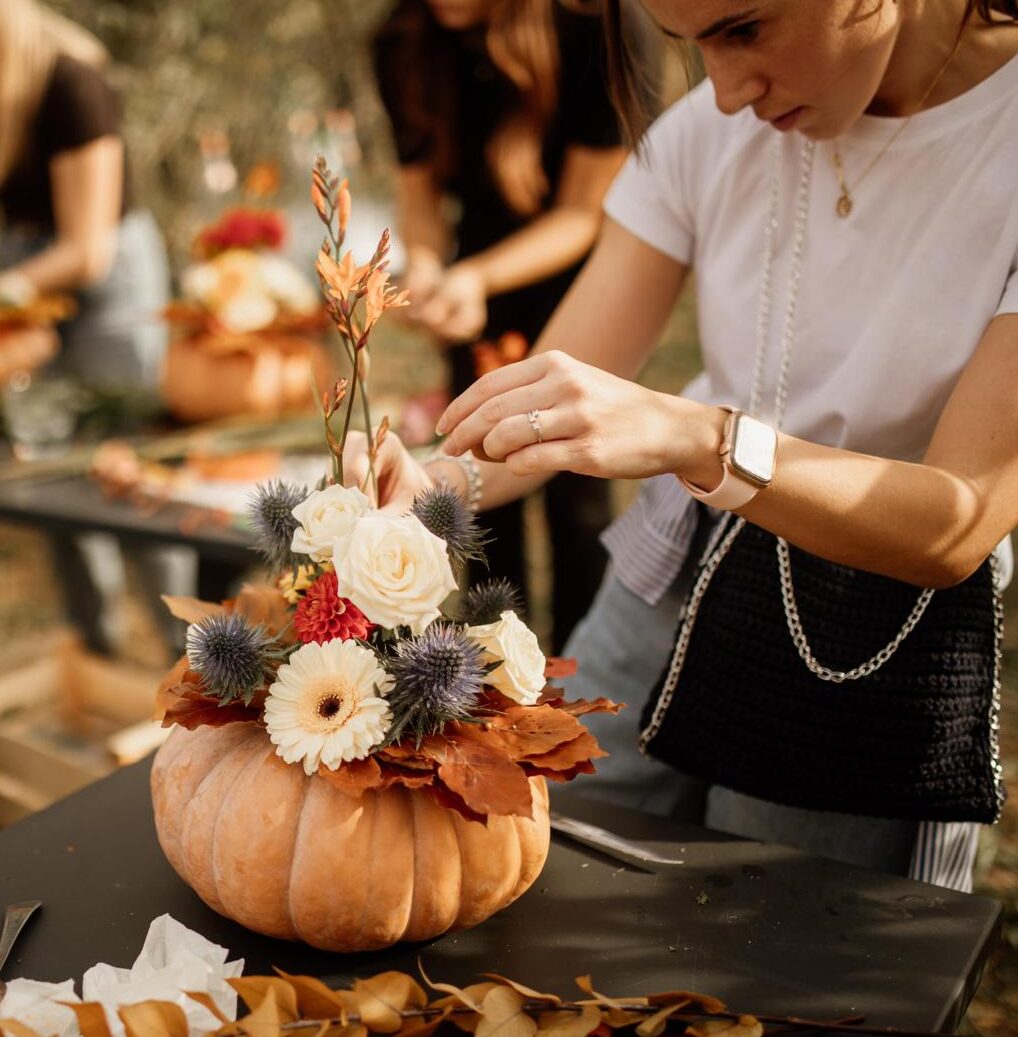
(323, 615)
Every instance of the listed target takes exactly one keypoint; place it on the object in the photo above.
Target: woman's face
(460, 14)
(814, 65)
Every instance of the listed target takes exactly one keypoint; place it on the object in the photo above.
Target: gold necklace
(843, 207)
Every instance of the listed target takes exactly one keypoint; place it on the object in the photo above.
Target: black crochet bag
(738, 706)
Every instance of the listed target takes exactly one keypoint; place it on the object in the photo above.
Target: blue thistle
(446, 514)
(485, 602)
(271, 512)
(233, 657)
(438, 677)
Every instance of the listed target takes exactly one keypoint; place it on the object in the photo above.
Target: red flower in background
(323, 615)
(242, 228)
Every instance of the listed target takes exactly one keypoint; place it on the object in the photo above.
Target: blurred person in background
(69, 226)
(502, 106)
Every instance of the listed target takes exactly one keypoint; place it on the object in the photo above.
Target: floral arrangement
(241, 283)
(43, 311)
(353, 659)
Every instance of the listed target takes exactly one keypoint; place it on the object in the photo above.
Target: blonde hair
(31, 38)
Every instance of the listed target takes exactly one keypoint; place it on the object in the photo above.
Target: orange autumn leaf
(262, 605)
(355, 777)
(91, 1018)
(315, 1000)
(382, 998)
(704, 1001)
(528, 731)
(343, 205)
(569, 1024)
(555, 667)
(191, 610)
(205, 1000)
(528, 992)
(192, 709)
(502, 1015)
(580, 707)
(566, 756)
(486, 779)
(13, 1028)
(255, 990)
(267, 1019)
(616, 1014)
(153, 1019)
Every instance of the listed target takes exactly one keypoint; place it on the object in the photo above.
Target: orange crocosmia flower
(343, 206)
(342, 277)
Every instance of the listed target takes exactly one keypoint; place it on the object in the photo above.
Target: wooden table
(765, 928)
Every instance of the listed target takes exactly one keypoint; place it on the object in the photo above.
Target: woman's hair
(624, 66)
(521, 41)
(31, 38)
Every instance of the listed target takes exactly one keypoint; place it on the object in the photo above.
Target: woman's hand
(591, 422)
(400, 477)
(458, 308)
(25, 349)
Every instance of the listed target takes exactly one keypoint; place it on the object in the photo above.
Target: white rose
(395, 570)
(521, 675)
(327, 517)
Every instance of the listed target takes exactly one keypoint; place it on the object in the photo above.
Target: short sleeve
(1009, 300)
(78, 108)
(586, 114)
(410, 137)
(652, 197)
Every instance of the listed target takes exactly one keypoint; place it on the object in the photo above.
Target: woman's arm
(87, 189)
(929, 523)
(546, 246)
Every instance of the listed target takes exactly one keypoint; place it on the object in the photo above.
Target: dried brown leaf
(256, 990)
(555, 667)
(502, 1015)
(485, 778)
(469, 997)
(616, 1014)
(528, 992)
(580, 707)
(687, 997)
(423, 1027)
(266, 1020)
(12, 1028)
(528, 731)
(191, 610)
(191, 709)
(92, 1021)
(569, 1024)
(262, 605)
(355, 777)
(206, 1001)
(382, 998)
(654, 1025)
(744, 1026)
(153, 1019)
(315, 1000)
(565, 757)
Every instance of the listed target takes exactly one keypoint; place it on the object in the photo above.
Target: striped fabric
(944, 854)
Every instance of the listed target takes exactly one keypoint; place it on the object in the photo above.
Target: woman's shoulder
(79, 105)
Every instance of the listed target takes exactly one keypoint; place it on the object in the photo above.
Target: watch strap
(731, 493)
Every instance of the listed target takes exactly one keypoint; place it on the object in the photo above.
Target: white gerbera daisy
(326, 706)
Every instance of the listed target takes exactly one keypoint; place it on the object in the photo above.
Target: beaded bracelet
(471, 470)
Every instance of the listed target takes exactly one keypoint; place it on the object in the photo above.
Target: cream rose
(327, 517)
(521, 675)
(394, 570)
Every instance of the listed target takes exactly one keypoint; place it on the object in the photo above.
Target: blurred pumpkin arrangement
(356, 761)
(248, 328)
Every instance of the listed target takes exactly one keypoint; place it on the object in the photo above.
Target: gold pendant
(844, 206)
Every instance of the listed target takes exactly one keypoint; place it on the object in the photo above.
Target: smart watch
(748, 450)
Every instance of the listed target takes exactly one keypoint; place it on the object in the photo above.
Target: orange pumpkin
(216, 375)
(292, 856)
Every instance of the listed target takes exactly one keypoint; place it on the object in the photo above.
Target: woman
(68, 222)
(502, 106)
(69, 227)
(843, 184)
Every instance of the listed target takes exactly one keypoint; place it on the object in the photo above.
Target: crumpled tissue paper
(173, 960)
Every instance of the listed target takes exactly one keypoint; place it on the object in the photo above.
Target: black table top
(76, 504)
(767, 929)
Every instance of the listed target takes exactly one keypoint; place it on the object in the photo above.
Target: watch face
(754, 445)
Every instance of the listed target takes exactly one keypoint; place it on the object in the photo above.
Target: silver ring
(535, 424)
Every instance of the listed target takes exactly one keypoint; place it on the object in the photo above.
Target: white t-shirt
(893, 300)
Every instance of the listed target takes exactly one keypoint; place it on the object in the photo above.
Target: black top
(77, 108)
(484, 96)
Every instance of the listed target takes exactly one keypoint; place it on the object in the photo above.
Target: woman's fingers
(524, 372)
(475, 431)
